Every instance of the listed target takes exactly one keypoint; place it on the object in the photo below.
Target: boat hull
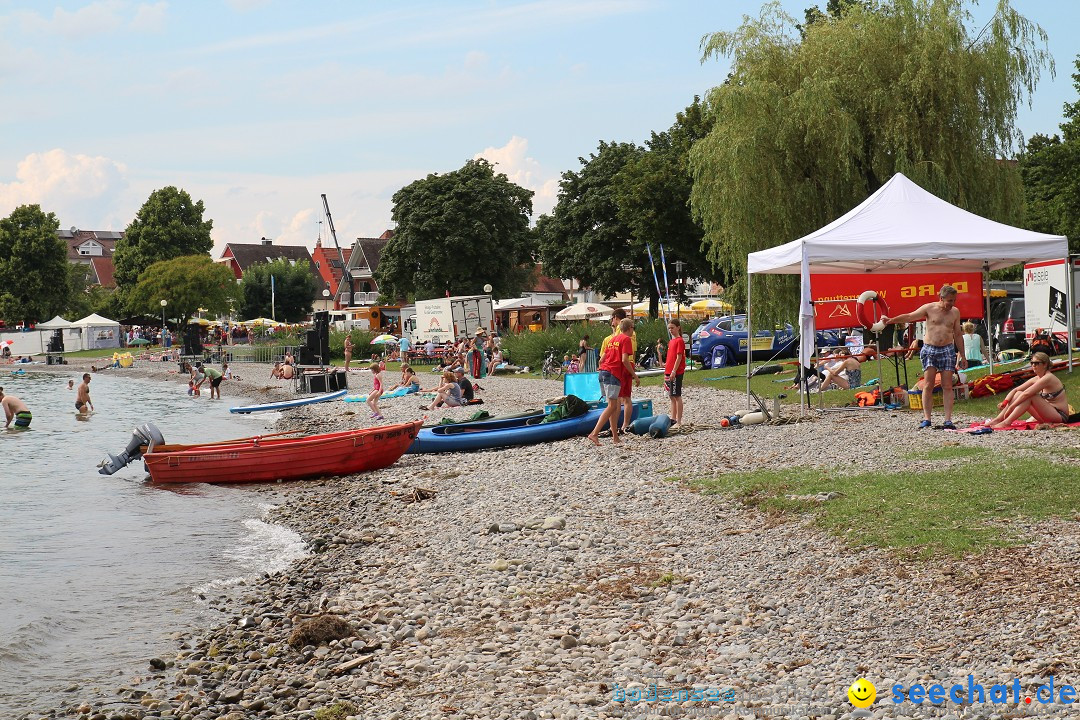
(503, 432)
(269, 460)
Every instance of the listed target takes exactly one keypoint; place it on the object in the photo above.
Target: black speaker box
(317, 383)
(192, 344)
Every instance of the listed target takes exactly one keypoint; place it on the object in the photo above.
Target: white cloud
(150, 18)
(78, 188)
(512, 159)
(246, 5)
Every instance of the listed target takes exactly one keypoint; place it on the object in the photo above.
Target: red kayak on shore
(260, 459)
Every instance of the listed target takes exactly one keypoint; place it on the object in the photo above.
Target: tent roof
(57, 323)
(902, 228)
(94, 319)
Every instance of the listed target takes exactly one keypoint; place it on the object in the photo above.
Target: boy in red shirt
(616, 377)
(674, 369)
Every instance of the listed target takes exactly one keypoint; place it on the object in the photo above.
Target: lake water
(96, 571)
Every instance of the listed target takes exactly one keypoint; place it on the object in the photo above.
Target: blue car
(721, 341)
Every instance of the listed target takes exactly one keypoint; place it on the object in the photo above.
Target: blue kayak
(282, 405)
(503, 432)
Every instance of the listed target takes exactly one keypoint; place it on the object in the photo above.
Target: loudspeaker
(192, 344)
(305, 355)
(56, 342)
(316, 383)
(320, 343)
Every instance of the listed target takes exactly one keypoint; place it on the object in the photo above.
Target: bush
(361, 341)
(529, 348)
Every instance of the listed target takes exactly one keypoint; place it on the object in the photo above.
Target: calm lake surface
(96, 571)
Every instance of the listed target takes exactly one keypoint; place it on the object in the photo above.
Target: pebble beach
(559, 580)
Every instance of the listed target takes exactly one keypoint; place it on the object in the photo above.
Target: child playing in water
(376, 391)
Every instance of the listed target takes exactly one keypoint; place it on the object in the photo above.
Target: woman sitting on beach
(448, 393)
(1043, 397)
(409, 381)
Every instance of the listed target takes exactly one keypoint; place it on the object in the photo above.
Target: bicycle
(551, 365)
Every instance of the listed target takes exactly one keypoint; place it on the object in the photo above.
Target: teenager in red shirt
(674, 369)
(616, 377)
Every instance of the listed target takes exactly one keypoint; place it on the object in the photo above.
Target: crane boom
(341, 255)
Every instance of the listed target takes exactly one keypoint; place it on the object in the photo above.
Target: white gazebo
(98, 332)
(901, 228)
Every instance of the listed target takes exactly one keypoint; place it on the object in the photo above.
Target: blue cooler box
(586, 385)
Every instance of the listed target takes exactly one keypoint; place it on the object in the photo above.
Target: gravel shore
(540, 582)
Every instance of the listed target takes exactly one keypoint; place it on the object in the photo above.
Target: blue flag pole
(667, 291)
(652, 264)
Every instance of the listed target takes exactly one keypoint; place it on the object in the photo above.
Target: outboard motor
(147, 436)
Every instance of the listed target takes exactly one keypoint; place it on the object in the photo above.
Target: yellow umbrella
(199, 321)
(711, 305)
(259, 321)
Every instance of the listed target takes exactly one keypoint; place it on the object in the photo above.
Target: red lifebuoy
(866, 315)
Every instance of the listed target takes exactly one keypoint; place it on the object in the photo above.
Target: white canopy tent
(901, 228)
(98, 332)
(57, 323)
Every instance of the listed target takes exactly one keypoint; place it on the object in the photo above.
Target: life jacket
(868, 399)
(992, 385)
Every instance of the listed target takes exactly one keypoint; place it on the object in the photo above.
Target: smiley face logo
(862, 693)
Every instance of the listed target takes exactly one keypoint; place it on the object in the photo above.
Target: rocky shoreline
(541, 582)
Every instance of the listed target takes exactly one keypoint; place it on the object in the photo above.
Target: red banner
(834, 295)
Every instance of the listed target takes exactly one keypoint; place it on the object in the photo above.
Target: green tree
(84, 296)
(34, 276)
(1050, 168)
(188, 283)
(585, 236)
(168, 225)
(653, 199)
(294, 289)
(806, 129)
(457, 232)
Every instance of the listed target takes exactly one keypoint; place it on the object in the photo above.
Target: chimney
(266, 241)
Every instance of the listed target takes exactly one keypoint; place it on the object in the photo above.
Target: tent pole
(749, 333)
(989, 330)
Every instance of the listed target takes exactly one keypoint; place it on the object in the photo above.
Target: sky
(256, 107)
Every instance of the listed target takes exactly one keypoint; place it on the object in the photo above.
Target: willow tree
(807, 126)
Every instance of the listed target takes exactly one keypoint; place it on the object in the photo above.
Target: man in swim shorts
(15, 410)
(942, 350)
(82, 397)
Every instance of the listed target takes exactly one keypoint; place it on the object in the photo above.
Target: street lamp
(163, 304)
(487, 288)
(326, 298)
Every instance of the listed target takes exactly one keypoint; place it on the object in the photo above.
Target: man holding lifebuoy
(942, 351)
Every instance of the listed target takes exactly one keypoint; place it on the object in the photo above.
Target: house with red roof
(95, 249)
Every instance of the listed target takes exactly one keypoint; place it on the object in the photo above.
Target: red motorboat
(266, 459)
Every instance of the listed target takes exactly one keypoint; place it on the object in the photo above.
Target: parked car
(722, 340)
(1007, 324)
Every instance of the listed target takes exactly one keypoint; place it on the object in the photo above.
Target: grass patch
(925, 514)
(338, 711)
(953, 453)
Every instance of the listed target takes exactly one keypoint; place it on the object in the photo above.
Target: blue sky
(257, 106)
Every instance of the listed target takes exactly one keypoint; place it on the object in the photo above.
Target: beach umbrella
(139, 341)
(259, 321)
(584, 311)
(384, 339)
(199, 321)
(6, 343)
(711, 305)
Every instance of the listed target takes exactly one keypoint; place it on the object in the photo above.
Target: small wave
(214, 587)
(267, 547)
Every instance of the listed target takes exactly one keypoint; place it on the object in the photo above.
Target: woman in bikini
(1043, 396)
